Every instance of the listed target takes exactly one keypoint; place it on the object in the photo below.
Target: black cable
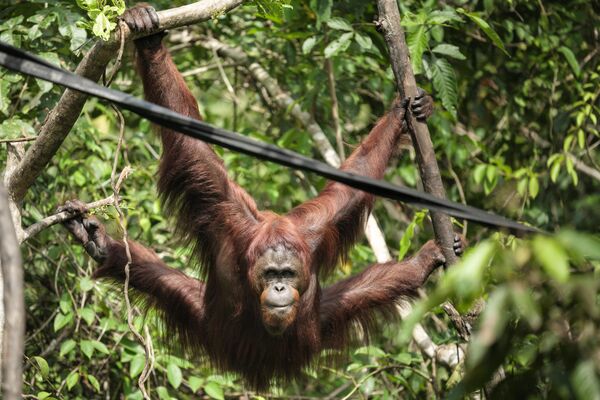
(25, 63)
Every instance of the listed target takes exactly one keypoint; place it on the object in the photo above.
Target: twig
(116, 186)
(21, 139)
(13, 302)
(57, 218)
(334, 108)
(119, 54)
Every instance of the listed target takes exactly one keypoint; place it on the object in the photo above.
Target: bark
(389, 23)
(13, 302)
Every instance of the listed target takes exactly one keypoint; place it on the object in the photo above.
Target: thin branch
(13, 302)
(57, 218)
(61, 118)
(335, 115)
(17, 140)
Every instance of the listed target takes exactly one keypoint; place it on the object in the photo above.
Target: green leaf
(94, 382)
(66, 347)
(338, 45)
(214, 390)
(101, 347)
(308, 44)
(61, 320)
(163, 393)
(534, 186)
(88, 315)
(174, 375)
(581, 244)
(86, 284)
(409, 233)
(43, 395)
(570, 59)
(449, 50)
(417, 41)
(195, 383)
(136, 365)
(585, 382)
(486, 28)
(322, 9)
(72, 379)
(371, 351)
(444, 82)
(87, 348)
(339, 24)
(363, 41)
(42, 365)
(553, 258)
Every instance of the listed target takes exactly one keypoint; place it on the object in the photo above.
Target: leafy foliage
(517, 132)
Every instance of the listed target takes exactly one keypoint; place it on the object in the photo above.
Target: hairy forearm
(149, 275)
(380, 284)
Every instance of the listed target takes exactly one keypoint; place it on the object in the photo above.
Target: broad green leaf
(174, 375)
(87, 348)
(585, 381)
(43, 395)
(66, 347)
(339, 24)
(136, 365)
(363, 41)
(322, 9)
(195, 383)
(441, 17)
(94, 382)
(101, 347)
(417, 41)
(61, 320)
(214, 390)
(371, 351)
(486, 28)
(552, 256)
(444, 82)
(408, 235)
(583, 245)
(308, 44)
(163, 393)
(72, 379)
(570, 59)
(86, 284)
(534, 186)
(449, 50)
(88, 315)
(42, 365)
(338, 45)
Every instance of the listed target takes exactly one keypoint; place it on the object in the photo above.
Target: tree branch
(14, 304)
(57, 218)
(389, 22)
(63, 116)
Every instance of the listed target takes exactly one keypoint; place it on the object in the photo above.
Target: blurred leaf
(214, 390)
(174, 375)
(570, 59)
(449, 50)
(42, 365)
(552, 257)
